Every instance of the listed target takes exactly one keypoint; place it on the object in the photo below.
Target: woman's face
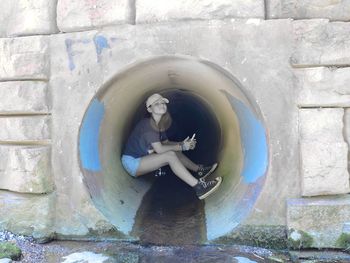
(158, 107)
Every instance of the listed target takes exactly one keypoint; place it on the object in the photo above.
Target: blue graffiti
(255, 158)
(89, 137)
(253, 141)
(100, 43)
(69, 44)
(69, 48)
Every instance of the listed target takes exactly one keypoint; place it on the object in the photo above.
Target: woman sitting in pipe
(148, 149)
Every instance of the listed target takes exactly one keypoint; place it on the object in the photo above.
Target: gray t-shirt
(141, 138)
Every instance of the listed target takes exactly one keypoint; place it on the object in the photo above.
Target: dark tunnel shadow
(170, 213)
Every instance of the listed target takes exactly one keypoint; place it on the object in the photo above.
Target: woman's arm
(187, 144)
(167, 142)
(161, 148)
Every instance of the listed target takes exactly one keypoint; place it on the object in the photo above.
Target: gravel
(31, 251)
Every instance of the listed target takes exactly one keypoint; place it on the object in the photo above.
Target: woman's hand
(188, 144)
(193, 144)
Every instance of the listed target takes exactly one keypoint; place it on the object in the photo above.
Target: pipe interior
(204, 100)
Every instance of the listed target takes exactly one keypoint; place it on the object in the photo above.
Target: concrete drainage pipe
(205, 99)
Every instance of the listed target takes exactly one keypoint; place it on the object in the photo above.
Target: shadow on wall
(206, 100)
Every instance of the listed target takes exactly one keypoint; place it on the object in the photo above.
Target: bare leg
(187, 162)
(154, 161)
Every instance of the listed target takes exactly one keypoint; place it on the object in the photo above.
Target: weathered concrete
(24, 58)
(319, 42)
(33, 128)
(266, 236)
(31, 17)
(299, 9)
(323, 87)
(18, 97)
(155, 11)
(323, 152)
(27, 214)
(347, 128)
(80, 15)
(26, 169)
(319, 220)
(260, 64)
(254, 51)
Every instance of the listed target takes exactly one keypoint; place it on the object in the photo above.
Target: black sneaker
(205, 188)
(204, 171)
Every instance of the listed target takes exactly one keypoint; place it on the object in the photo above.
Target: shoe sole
(219, 179)
(210, 171)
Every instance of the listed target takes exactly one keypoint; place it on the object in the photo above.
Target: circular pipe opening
(205, 100)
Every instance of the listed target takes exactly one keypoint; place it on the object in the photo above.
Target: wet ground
(171, 227)
(170, 214)
(122, 252)
(126, 252)
(134, 253)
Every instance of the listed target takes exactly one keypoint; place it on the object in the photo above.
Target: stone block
(5, 13)
(347, 126)
(24, 58)
(31, 128)
(32, 17)
(26, 169)
(24, 97)
(154, 11)
(5, 260)
(26, 214)
(323, 87)
(318, 222)
(79, 15)
(323, 152)
(319, 42)
(299, 9)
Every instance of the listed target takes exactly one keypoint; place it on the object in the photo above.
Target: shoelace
(206, 184)
(200, 170)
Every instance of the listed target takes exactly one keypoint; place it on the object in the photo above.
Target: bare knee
(171, 156)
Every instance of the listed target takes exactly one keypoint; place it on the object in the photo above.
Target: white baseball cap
(154, 98)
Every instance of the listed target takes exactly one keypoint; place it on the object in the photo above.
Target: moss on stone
(111, 234)
(9, 250)
(127, 258)
(273, 237)
(344, 241)
(304, 240)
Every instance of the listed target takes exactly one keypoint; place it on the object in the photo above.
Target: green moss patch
(9, 250)
(344, 241)
(302, 239)
(273, 237)
(127, 258)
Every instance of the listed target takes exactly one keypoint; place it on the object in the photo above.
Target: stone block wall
(26, 181)
(319, 63)
(299, 9)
